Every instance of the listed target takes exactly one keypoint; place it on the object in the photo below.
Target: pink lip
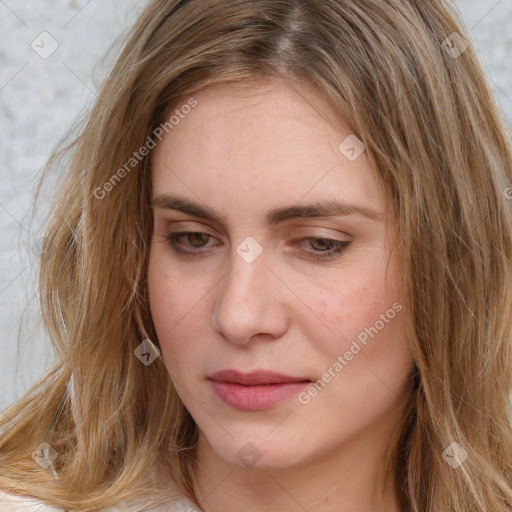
(256, 390)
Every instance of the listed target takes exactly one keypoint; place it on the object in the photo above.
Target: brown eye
(324, 245)
(196, 238)
(322, 248)
(195, 243)
(317, 248)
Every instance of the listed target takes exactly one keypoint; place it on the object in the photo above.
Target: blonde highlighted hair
(434, 134)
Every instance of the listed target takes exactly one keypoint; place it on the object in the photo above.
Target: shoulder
(15, 503)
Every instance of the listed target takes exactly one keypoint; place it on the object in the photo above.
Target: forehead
(261, 142)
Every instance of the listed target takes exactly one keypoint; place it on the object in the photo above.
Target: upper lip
(255, 377)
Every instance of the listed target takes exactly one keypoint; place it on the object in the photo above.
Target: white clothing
(14, 503)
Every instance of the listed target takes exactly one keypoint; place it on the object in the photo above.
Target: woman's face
(279, 320)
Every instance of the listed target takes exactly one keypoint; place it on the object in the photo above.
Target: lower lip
(255, 398)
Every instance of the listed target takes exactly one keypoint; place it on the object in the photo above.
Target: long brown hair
(406, 79)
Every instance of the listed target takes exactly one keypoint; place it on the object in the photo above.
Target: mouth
(255, 390)
(255, 378)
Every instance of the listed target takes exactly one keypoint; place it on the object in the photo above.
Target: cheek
(363, 369)
(163, 301)
(171, 294)
(175, 301)
(365, 347)
(351, 305)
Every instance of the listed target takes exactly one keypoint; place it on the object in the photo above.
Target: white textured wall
(41, 97)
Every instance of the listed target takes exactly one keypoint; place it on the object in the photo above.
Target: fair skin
(240, 153)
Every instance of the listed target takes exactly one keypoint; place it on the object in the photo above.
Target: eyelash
(173, 238)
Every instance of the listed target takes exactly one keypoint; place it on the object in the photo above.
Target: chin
(253, 448)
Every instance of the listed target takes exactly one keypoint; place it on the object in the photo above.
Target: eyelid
(311, 231)
(285, 228)
(190, 226)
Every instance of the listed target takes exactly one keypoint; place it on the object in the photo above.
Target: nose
(250, 301)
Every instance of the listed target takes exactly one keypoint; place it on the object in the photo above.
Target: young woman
(277, 272)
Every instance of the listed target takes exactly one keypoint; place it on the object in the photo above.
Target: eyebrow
(325, 208)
